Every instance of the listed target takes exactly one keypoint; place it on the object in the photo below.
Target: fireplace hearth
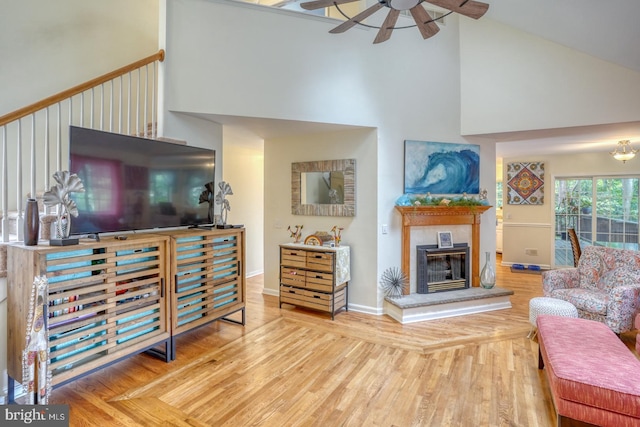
(442, 269)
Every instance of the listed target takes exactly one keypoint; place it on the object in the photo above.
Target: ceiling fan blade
(357, 19)
(424, 21)
(318, 4)
(471, 8)
(387, 26)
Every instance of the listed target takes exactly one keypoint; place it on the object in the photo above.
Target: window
(616, 214)
(102, 177)
(603, 211)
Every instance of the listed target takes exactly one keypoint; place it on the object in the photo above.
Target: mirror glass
(325, 188)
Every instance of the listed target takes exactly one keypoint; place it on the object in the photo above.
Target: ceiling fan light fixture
(623, 155)
(423, 20)
(402, 4)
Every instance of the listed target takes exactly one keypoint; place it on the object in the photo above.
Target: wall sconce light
(626, 151)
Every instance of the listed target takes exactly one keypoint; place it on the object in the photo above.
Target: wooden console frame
(95, 273)
(413, 216)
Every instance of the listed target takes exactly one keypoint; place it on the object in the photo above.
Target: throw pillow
(619, 276)
(591, 267)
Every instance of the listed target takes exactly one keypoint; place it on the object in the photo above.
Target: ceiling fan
(425, 23)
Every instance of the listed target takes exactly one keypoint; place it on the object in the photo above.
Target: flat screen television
(135, 183)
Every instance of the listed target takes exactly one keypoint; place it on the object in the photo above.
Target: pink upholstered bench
(594, 378)
(637, 326)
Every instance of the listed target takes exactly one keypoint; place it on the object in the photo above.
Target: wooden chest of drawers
(315, 277)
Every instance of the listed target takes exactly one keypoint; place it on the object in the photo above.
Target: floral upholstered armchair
(604, 287)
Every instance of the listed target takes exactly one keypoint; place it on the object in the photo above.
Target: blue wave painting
(441, 168)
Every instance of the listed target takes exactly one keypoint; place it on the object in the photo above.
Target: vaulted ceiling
(605, 29)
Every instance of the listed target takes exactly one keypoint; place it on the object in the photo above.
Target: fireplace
(442, 269)
(413, 216)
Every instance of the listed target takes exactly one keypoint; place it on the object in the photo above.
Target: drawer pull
(137, 251)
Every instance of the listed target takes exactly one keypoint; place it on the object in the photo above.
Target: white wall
(249, 61)
(49, 46)
(359, 232)
(244, 171)
(514, 81)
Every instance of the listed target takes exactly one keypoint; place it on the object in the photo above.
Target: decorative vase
(488, 274)
(31, 223)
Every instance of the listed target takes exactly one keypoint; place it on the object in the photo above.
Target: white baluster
(120, 107)
(129, 107)
(33, 156)
(19, 218)
(101, 107)
(47, 155)
(111, 107)
(153, 103)
(5, 187)
(138, 104)
(82, 109)
(59, 139)
(93, 106)
(146, 101)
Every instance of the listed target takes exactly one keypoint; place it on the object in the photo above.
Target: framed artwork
(445, 240)
(441, 168)
(525, 183)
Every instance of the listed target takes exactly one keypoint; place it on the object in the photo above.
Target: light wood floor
(290, 366)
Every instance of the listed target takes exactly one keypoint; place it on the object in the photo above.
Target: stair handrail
(65, 94)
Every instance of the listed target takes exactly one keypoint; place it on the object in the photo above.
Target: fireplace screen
(441, 270)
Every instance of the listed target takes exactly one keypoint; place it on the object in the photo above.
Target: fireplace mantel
(441, 215)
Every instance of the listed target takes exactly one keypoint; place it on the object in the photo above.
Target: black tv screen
(136, 183)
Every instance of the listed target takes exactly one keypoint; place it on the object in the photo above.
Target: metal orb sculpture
(392, 282)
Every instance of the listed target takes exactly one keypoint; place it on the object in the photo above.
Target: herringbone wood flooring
(291, 366)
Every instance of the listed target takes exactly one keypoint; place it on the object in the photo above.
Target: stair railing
(122, 101)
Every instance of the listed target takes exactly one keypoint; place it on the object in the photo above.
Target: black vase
(31, 223)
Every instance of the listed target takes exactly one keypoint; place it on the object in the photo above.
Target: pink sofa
(594, 378)
(604, 287)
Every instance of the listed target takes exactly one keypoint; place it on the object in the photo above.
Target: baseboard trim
(271, 292)
(542, 266)
(376, 311)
